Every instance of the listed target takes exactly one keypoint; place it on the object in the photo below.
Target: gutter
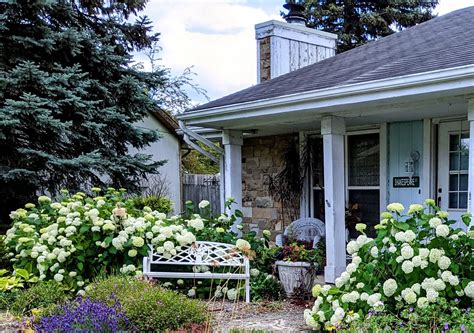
(264, 106)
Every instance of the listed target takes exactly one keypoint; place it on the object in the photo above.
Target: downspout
(188, 137)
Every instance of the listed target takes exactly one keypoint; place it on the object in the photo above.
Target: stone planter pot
(296, 275)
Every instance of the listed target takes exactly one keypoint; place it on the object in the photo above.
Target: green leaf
(22, 273)
(401, 225)
(3, 272)
(238, 213)
(80, 266)
(84, 229)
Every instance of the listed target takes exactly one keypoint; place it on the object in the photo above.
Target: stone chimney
(283, 47)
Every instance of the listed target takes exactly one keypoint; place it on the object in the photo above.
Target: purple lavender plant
(85, 315)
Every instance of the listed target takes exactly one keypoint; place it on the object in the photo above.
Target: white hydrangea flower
(392, 249)
(469, 290)
(407, 251)
(400, 236)
(356, 260)
(395, 208)
(360, 285)
(431, 295)
(242, 245)
(435, 221)
(374, 252)
(439, 285)
(435, 254)
(444, 262)
(58, 277)
(422, 302)
(203, 204)
(352, 247)
(232, 294)
(416, 288)
(254, 272)
(442, 214)
(390, 287)
(364, 296)
(374, 298)
(410, 297)
(415, 208)
(410, 236)
(416, 260)
(453, 280)
(442, 230)
(351, 268)
(407, 266)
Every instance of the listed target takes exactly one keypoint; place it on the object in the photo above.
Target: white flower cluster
(398, 251)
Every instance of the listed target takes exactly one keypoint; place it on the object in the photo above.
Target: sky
(217, 38)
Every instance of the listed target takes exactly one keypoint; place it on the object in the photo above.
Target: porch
(400, 149)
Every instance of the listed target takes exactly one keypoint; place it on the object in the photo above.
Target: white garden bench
(202, 254)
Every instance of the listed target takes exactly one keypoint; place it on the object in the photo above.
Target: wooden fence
(202, 187)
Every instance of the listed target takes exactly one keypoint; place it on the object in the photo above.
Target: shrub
(78, 237)
(84, 315)
(415, 261)
(148, 307)
(41, 295)
(439, 317)
(266, 287)
(160, 204)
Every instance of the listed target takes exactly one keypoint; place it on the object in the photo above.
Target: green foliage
(71, 96)
(4, 254)
(41, 295)
(441, 317)
(7, 298)
(16, 280)
(150, 308)
(265, 287)
(358, 22)
(415, 261)
(195, 162)
(160, 204)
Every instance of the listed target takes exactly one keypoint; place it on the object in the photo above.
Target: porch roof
(432, 47)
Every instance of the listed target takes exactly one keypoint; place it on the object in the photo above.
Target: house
(167, 148)
(391, 121)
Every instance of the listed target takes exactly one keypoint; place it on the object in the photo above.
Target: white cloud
(217, 38)
(446, 6)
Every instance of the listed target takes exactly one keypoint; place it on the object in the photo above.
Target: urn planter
(296, 276)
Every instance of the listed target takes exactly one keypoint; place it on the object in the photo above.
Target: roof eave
(371, 90)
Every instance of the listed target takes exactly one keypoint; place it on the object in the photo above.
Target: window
(363, 180)
(458, 170)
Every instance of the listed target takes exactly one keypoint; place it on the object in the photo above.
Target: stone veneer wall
(262, 159)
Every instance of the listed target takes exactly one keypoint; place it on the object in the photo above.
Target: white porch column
(470, 118)
(333, 130)
(232, 141)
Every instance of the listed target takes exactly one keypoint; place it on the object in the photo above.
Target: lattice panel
(203, 253)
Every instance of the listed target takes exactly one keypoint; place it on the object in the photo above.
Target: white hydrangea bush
(415, 260)
(73, 239)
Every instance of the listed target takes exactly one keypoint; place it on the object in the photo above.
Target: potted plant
(297, 265)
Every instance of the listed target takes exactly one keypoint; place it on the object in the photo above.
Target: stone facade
(264, 61)
(261, 160)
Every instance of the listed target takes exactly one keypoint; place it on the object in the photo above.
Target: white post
(333, 130)
(470, 118)
(232, 141)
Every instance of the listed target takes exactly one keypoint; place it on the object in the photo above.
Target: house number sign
(406, 181)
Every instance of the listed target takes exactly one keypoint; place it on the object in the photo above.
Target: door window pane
(364, 160)
(458, 168)
(365, 206)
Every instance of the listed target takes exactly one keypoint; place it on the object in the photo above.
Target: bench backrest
(202, 253)
(306, 229)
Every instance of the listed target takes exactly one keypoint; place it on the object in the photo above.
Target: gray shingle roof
(443, 42)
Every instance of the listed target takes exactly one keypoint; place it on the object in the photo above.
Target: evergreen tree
(357, 22)
(70, 96)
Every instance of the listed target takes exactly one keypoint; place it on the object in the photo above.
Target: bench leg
(247, 290)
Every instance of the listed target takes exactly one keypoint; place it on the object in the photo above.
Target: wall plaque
(406, 181)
